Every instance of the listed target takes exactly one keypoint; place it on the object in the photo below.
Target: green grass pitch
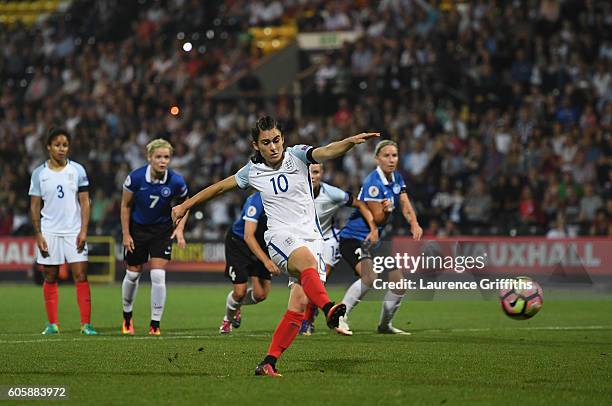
(461, 352)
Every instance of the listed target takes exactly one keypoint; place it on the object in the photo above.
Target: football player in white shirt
(61, 235)
(328, 200)
(294, 236)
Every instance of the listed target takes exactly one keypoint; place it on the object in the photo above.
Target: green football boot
(52, 328)
(88, 330)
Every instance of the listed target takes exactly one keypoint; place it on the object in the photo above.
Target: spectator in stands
(601, 226)
(590, 204)
(477, 205)
(442, 200)
(559, 229)
(528, 208)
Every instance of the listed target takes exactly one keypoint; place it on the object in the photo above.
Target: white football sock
(231, 305)
(129, 288)
(158, 293)
(390, 304)
(354, 294)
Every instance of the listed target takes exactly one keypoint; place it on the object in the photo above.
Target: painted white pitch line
(165, 333)
(191, 337)
(469, 330)
(544, 328)
(125, 339)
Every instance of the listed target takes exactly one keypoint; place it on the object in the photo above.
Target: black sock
(270, 360)
(127, 316)
(327, 307)
(155, 323)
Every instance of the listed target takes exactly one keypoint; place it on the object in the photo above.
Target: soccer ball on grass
(522, 303)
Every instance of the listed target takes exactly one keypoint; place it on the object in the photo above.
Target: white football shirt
(286, 193)
(61, 212)
(329, 200)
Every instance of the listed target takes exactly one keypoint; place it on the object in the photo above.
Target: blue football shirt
(152, 198)
(252, 210)
(376, 188)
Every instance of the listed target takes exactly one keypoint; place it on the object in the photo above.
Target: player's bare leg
(83, 293)
(258, 292)
(260, 288)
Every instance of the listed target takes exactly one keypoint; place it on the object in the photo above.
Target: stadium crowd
(503, 111)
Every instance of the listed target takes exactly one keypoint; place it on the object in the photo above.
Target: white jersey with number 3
(59, 190)
(286, 193)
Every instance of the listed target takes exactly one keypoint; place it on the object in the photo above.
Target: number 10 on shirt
(280, 183)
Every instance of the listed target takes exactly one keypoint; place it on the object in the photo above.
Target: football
(524, 300)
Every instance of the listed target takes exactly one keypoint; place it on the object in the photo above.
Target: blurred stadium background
(503, 110)
(503, 113)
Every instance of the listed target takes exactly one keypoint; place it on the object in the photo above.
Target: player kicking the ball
(294, 237)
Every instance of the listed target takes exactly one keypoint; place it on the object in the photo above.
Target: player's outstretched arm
(410, 216)
(338, 148)
(204, 195)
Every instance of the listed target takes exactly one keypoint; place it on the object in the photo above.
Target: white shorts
(62, 248)
(281, 246)
(331, 251)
